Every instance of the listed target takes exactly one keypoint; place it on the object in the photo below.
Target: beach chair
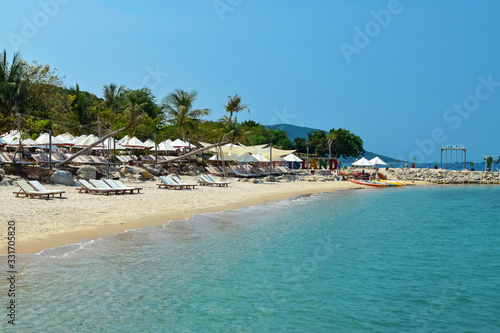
(104, 185)
(167, 182)
(39, 187)
(119, 185)
(239, 172)
(28, 190)
(89, 188)
(209, 180)
(180, 182)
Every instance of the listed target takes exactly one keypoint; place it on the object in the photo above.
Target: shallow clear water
(420, 259)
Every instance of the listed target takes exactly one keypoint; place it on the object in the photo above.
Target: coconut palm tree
(13, 88)
(178, 108)
(234, 105)
(113, 95)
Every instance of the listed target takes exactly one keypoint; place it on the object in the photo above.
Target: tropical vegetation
(33, 98)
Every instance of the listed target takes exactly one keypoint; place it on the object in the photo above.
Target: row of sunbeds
(34, 189)
(246, 171)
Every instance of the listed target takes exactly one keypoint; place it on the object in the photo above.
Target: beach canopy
(246, 158)
(363, 162)
(377, 161)
(2, 142)
(66, 141)
(292, 158)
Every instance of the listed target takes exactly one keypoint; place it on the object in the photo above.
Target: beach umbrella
(225, 157)
(165, 146)
(363, 162)
(83, 142)
(135, 144)
(178, 143)
(68, 136)
(246, 158)
(149, 143)
(2, 142)
(261, 158)
(377, 161)
(45, 139)
(66, 140)
(292, 158)
(124, 140)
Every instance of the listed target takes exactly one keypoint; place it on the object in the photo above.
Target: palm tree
(178, 107)
(134, 110)
(113, 95)
(234, 105)
(13, 88)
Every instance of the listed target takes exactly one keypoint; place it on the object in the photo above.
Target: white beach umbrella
(246, 158)
(2, 142)
(149, 143)
(135, 143)
(45, 139)
(225, 157)
(68, 135)
(377, 161)
(165, 146)
(261, 158)
(292, 158)
(66, 141)
(363, 162)
(83, 142)
(124, 140)
(178, 143)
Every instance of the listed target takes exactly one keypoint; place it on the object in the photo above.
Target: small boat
(369, 183)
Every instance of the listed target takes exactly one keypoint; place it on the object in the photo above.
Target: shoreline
(219, 200)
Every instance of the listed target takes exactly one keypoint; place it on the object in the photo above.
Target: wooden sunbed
(28, 190)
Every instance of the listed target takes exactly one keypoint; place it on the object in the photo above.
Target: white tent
(377, 161)
(363, 162)
(292, 158)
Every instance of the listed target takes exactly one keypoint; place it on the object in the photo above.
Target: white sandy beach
(42, 223)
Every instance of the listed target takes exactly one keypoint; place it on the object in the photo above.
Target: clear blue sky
(389, 71)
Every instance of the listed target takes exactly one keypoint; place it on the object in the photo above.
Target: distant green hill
(301, 132)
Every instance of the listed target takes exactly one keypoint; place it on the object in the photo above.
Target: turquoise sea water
(419, 259)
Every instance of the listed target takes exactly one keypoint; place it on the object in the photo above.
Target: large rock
(146, 175)
(87, 172)
(153, 171)
(62, 177)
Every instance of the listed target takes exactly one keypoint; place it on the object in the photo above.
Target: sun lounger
(114, 184)
(180, 182)
(9, 158)
(208, 180)
(168, 182)
(28, 190)
(239, 172)
(89, 188)
(102, 184)
(39, 187)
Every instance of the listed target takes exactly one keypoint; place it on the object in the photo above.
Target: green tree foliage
(234, 105)
(113, 97)
(346, 144)
(178, 108)
(13, 89)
